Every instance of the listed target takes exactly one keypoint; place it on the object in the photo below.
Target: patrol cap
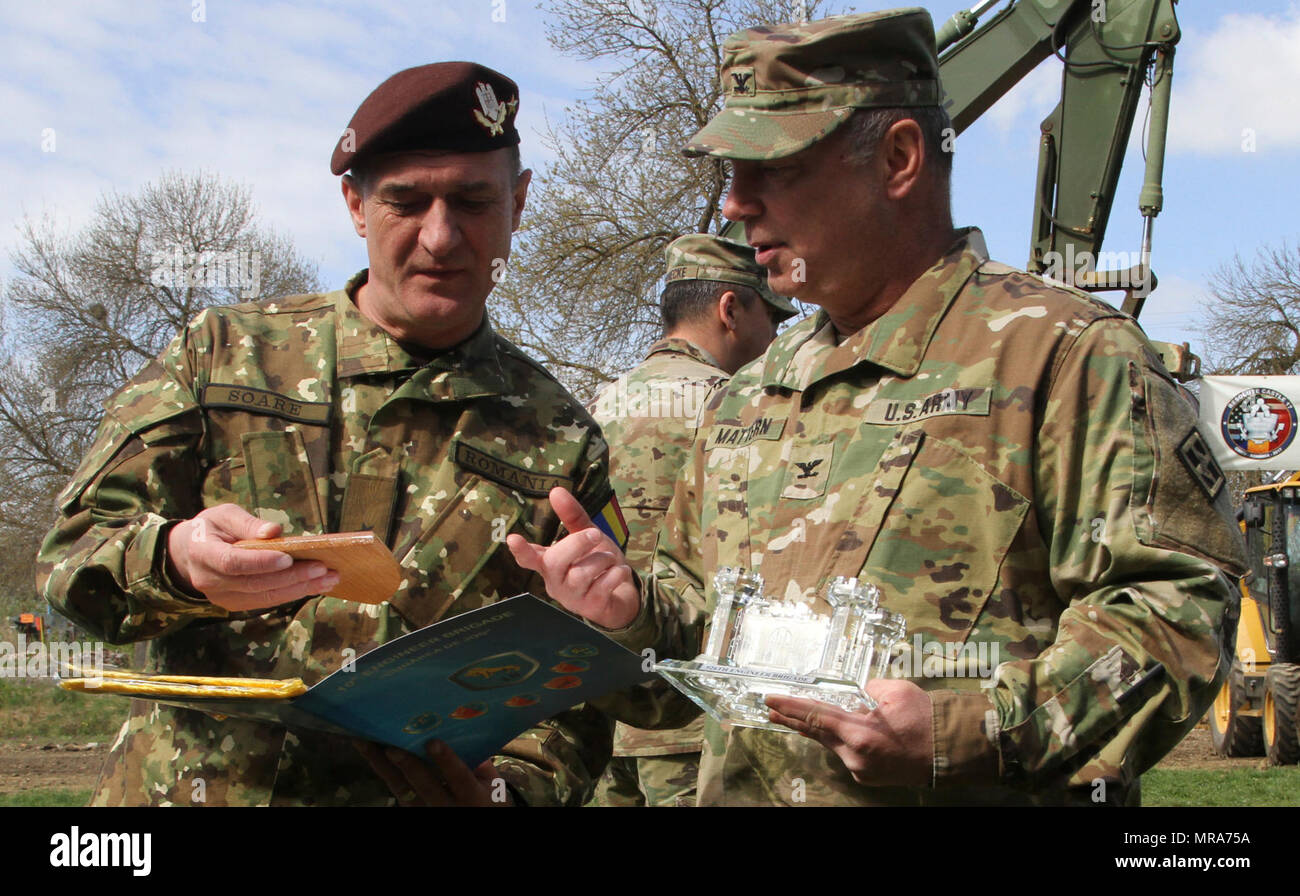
(454, 106)
(701, 256)
(788, 86)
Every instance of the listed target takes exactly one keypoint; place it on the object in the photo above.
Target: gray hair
(867, 127)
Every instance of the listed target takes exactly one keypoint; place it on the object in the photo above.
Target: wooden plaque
(368, 571)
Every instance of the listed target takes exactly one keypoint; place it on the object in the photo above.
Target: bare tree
(88, 309)
(1252, 325)
(582, 292)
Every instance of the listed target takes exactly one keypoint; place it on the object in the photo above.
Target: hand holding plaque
(760, 646)
(367, 571)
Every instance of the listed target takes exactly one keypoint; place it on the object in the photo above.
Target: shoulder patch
(1196, 456)
(527, 482)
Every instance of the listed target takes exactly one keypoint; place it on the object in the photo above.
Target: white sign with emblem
(1251, 421)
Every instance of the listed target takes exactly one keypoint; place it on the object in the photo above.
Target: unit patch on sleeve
(1196, 456)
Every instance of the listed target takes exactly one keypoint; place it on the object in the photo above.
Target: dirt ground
(40, 765)
(37, 765)
(1195, 751)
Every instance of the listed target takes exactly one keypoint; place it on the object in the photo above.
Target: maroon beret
(456, 106)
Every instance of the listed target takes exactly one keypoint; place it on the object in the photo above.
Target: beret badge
(492, 113)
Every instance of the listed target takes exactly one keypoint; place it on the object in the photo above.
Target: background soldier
(718, 315)
(1006, 460)
(373, 407)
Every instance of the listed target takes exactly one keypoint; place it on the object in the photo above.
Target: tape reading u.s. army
(738, 436)
(260, 401)
(891, 411)
(528, 482)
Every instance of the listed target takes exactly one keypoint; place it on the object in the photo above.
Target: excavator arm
(1110, 49)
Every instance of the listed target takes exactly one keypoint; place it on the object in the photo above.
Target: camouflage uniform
(1010, 463)
(649, 417)
(305, 413)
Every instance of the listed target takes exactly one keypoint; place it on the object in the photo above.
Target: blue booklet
(475, 681)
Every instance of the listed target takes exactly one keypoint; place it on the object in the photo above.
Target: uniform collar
(469, 369)
(678, 346)
(897, 340)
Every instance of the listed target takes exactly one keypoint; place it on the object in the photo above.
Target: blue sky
(258, 92)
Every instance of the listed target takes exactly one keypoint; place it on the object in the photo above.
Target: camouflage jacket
(649, 417)
(1010, 464)
(304, 412)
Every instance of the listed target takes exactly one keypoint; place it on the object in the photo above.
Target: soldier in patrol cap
(1005, 459)
(386, 405)
(718, 315)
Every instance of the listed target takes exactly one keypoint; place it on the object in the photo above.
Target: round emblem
(1259, 423)
(422, 722)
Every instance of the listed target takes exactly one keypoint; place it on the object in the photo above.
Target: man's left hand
(443, 781)
(891, 745)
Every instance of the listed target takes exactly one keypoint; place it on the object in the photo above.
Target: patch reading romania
(1259, 423)
(536, 485)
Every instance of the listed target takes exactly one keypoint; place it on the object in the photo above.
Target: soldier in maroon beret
(436, 191)
(391, 406)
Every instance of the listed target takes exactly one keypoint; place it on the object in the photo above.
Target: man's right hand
(201, 554)
(585, 572)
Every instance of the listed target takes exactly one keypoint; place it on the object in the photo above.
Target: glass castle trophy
(759, 646)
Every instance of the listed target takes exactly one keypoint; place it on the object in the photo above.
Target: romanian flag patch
(610, 521)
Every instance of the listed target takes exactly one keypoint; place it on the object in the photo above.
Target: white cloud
(1237, 78)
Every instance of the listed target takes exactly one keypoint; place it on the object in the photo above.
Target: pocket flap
(280, 480)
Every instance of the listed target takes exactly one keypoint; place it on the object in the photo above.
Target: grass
(40, 709)
(1222, 787)
(45, 798)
